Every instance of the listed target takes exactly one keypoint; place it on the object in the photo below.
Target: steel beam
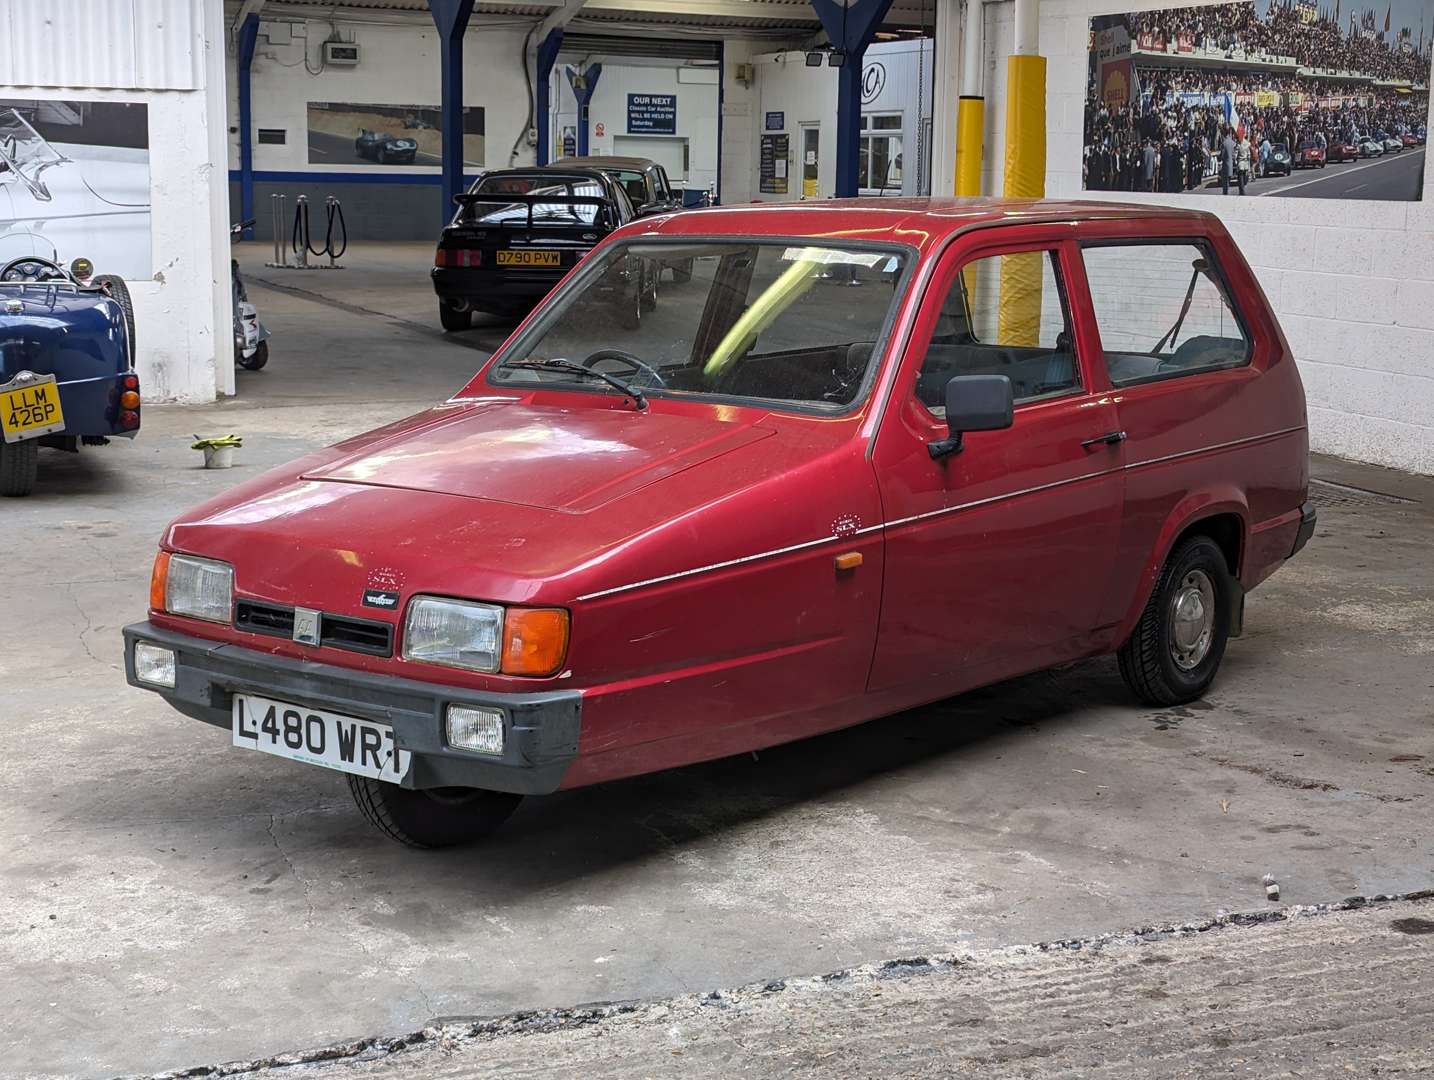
(248, 36)
(451, 18)
(851, 27)
(543, 91)
(584, 95)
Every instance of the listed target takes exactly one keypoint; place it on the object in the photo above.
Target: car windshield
(1280, 148)
(785, 321)
(24, 152)
(497, 212)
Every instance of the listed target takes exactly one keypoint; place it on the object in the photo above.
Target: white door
(668, 151)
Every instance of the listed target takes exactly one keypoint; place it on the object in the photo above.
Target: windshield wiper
(639, 399)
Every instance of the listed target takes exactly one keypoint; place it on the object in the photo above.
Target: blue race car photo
(385, 149)
(67, 376)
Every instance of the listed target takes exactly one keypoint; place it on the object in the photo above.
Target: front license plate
(315, 737)
(530, 258)
(30, 409)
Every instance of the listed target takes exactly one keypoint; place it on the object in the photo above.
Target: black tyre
(258, 360)
(454, 320)
(1177, 645)
(120, 292)
(19, 465)
(432, 818)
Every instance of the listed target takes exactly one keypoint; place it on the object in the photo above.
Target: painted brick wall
(1352, 281)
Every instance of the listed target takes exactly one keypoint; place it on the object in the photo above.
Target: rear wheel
(453, 319)
(434, 817)
(19, 465)
(1177, 645)
(115, 286)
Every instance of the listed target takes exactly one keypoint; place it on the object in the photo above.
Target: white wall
(399, 65)
(696, 108)
(182, 311)
(808, 95)
(1352, 281)
(740, 125)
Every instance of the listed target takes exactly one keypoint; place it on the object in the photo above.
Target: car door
(998, 555)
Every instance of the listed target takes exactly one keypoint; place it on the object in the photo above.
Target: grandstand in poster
(1323, 99)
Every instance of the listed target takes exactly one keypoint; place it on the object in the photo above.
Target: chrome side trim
(1002, 497)
(866, 530)
(728, 563)
(1216, 447)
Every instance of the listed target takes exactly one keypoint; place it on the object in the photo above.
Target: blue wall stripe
(436, 179)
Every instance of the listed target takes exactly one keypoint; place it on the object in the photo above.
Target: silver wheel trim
(1192, 620)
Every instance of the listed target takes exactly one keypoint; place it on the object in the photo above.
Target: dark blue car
(67, 375)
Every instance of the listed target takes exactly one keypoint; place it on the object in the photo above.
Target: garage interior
(175, 905)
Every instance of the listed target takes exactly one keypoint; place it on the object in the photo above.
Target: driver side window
(1003, 315)
(1163, 311)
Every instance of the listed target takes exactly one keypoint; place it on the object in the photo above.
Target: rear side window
(1163, 310)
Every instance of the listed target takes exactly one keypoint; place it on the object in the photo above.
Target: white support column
(1028, 28)
(946, 83)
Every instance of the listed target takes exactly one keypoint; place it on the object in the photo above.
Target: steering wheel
(627, 358)
(33, 268)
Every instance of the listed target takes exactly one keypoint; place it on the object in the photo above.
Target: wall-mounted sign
(873, 82)
(776, 121)
(772, 168)
(600, 130)
(570, 140)
(652, 114)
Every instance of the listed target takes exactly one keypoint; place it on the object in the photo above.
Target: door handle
(1110, 438)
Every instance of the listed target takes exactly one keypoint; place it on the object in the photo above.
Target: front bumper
(1308, 518)
(485, 287)
(542, 728)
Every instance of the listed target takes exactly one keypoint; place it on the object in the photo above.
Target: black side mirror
(974, 403)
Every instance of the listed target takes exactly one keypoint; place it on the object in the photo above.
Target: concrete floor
(169, 901)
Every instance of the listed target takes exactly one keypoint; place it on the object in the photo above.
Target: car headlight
(485, 637)
(454, 633)
(198, 588)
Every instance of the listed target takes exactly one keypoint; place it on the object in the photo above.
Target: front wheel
(433, 817)
(258, 360)
(19, 465)
(1179, 641)
(454, 320)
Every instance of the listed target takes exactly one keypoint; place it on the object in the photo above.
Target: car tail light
(469, 257)
(129, 419)
(131, 382)
(440, 257)
(535, 641)
(129, 400)
(159, 581)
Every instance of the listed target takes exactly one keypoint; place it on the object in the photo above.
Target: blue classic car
(384, 148)
(67, 375)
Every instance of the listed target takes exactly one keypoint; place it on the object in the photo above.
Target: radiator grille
(335, 631)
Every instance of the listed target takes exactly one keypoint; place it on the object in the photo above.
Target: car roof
(923, 222)
(598, 161)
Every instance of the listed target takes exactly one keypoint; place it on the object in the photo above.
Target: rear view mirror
(974, 403)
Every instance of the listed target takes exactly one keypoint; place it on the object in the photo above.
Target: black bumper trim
(1308, 517)
(542, 732)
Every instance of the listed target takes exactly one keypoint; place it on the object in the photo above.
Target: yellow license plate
(30, 409)
(530, 258)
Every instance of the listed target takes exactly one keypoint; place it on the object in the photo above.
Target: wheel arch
(1223, 516)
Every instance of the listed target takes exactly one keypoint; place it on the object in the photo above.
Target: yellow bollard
(1020, 305)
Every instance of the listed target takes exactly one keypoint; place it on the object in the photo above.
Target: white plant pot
(218, 457)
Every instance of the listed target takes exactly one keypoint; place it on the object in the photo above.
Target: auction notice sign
(652, 114)
(772, 165)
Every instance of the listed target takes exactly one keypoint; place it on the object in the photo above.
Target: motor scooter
(251, 337)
